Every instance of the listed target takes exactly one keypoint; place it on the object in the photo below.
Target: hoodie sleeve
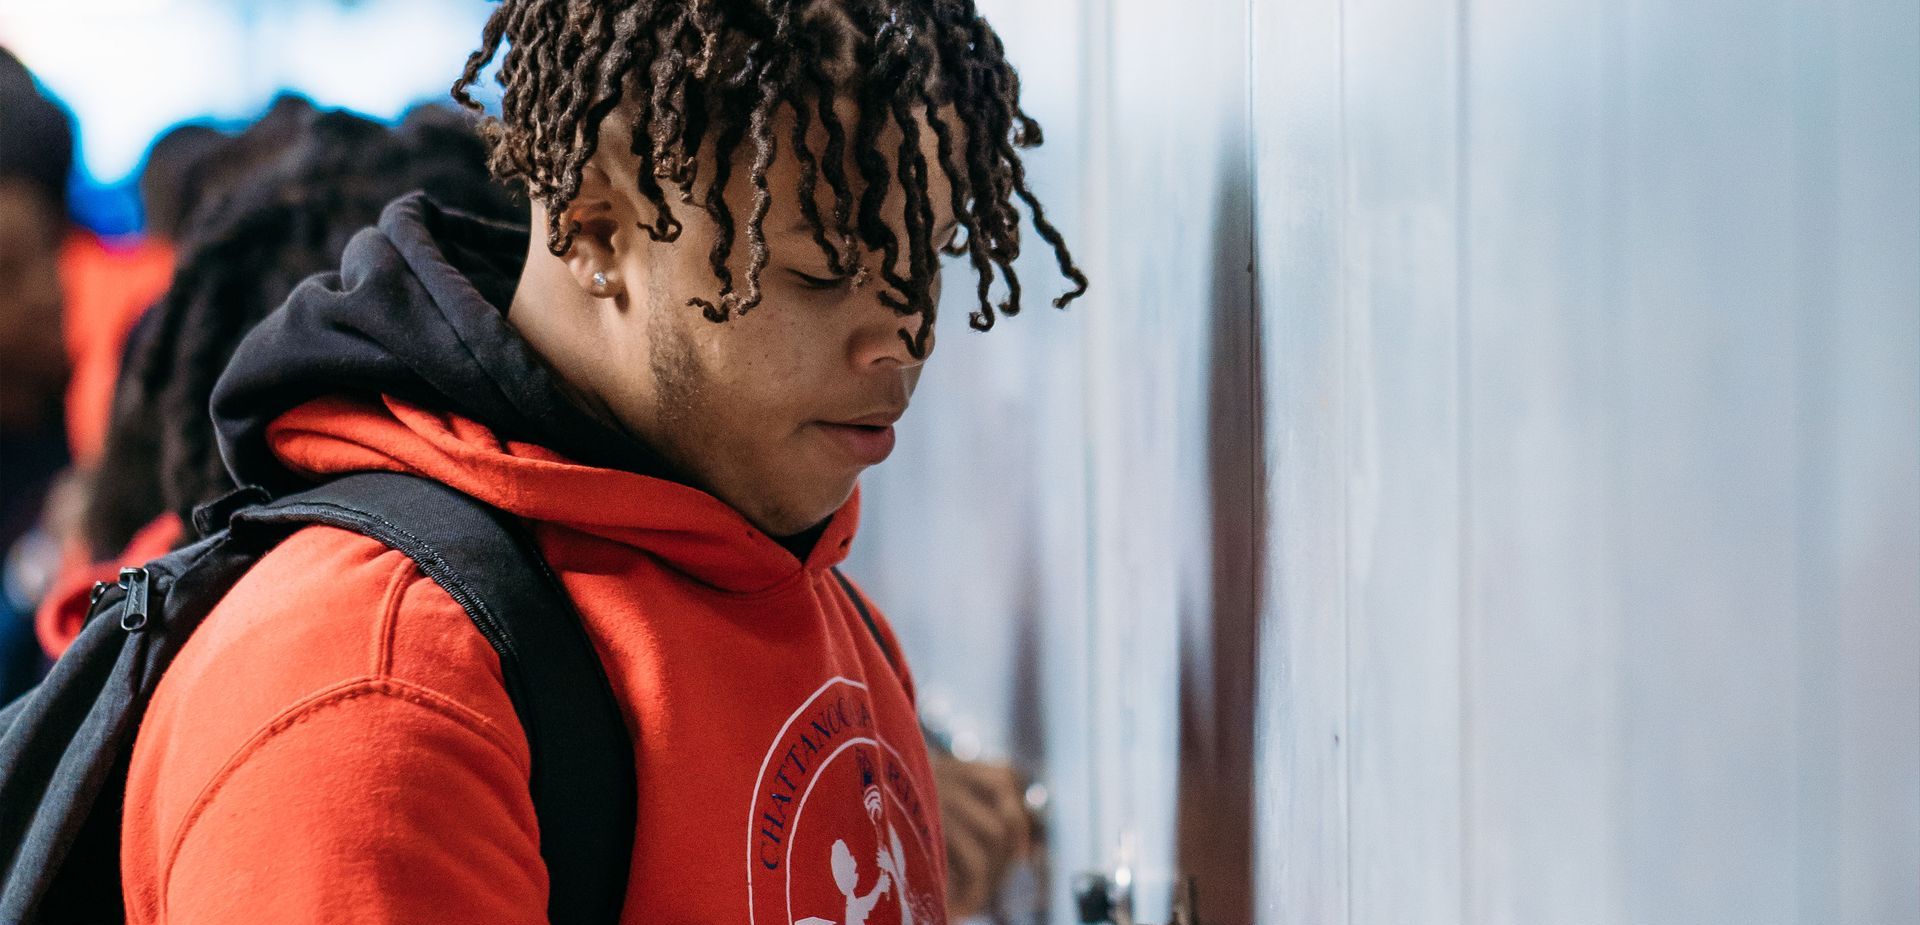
(375, 802)
(333, 744)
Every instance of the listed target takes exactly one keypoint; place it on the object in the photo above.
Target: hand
(984, 812)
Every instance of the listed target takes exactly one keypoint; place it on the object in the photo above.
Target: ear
(592, 213)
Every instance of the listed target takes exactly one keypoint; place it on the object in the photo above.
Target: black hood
(418, 312)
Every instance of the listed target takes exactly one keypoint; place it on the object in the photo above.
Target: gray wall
(1484, 482)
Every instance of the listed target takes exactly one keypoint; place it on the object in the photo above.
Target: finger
(980, 823)
(1000, 844)
(1003, 792)
(977, 855)
(989, 780)
(967, 876)
(1019, 821)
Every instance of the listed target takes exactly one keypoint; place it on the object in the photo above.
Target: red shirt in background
(108, 285)
(64, 608)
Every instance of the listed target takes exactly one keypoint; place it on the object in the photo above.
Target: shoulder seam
(337, 695)
(397, 584)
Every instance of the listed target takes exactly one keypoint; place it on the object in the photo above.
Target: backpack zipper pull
(134, 617)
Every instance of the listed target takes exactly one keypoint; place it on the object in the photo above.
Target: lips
(877, 419)
(868, 444)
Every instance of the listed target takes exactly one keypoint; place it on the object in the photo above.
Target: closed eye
(818, 282)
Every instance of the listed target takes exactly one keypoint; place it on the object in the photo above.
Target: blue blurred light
(130, 69)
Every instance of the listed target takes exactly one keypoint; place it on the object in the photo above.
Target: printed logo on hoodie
(839, 834)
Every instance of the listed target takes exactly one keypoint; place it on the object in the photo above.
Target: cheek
(751, 381)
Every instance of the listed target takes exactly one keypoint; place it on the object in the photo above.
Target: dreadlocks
(294, 188)
(699, 73)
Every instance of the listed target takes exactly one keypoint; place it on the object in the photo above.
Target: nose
(882, 339)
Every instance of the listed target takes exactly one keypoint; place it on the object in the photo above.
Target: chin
(804, 511)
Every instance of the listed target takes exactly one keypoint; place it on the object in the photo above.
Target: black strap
(583, 783)
(860, 605)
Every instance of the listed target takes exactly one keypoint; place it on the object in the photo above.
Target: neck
(561, 323)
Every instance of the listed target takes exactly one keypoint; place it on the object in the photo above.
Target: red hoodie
(335, 743)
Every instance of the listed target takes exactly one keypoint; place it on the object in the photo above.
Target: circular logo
(838, 833)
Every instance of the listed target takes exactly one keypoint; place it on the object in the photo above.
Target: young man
(676, 382)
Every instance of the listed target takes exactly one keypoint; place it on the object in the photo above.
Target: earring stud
(599, 280)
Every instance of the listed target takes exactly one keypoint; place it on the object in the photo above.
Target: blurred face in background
(33, 362)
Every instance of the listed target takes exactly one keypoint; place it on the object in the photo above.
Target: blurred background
(130, 69)
(1482, 484)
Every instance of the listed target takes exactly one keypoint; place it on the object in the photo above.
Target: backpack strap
(583, 783)
(860, 604)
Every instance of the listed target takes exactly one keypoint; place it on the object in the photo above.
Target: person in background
(109, 283)
(311, 180)
(188, 170)
(36, 156)
(167, 182)
(99, 287)
(197, 172)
